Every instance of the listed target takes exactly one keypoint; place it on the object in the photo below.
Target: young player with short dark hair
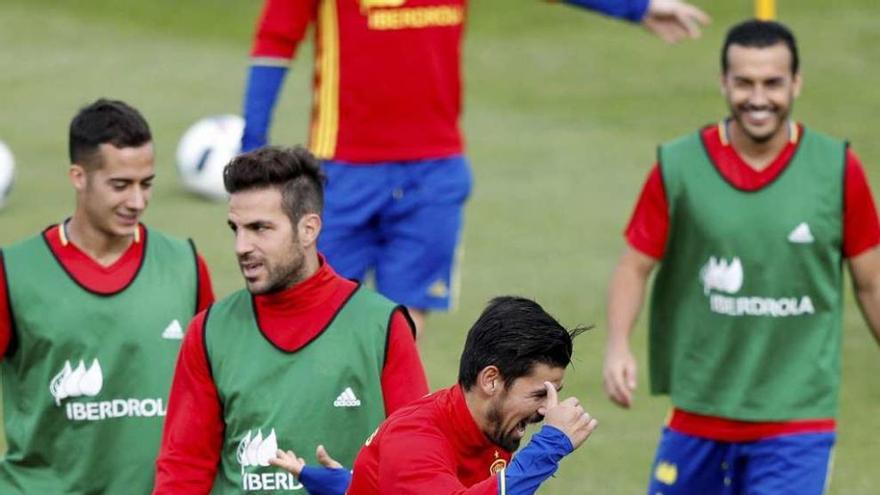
(91, 315)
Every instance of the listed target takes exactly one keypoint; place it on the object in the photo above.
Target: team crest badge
(497, 466)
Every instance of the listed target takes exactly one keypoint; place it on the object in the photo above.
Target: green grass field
(563, 113)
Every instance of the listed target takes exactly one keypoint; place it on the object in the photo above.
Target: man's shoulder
(372, 298)
(424, 414)
(27, 242)
(229, 300)
(157, 236)
(818, 134)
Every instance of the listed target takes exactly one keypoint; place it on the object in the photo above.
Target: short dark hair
(295, 171)
(755, 33)
(514, 334)
(105, 122)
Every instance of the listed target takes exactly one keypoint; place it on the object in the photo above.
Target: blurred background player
(385, 120)
(460, 440)
(300, 355)
(90, 322)
(752, 219)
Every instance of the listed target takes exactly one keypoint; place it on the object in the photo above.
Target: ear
(309, 228)
(796, 84)
(722, 84)
(489, 381)
(78, 177)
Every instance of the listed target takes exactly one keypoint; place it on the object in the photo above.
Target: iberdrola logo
(254, 451)
(722, 278)
(76, 382)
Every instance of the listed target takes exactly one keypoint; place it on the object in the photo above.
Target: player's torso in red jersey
(387, 79)
(431, 444)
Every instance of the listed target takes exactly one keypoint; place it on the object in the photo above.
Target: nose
(243, 244)
(137, 200)
(759, 96)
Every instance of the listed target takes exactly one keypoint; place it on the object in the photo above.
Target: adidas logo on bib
(801, 234)
(173, 331)
(347, 399)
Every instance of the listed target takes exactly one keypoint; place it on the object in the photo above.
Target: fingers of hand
(325, 459)
(687, 25)
(617, 386)
(288, 461)
(552, 395)
(630, 375)
(698, 16)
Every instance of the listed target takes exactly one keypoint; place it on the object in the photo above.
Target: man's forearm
(869, 303)
(631, 10)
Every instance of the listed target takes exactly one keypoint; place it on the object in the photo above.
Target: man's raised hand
(568, 416)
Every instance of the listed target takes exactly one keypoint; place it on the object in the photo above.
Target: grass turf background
(563, 113)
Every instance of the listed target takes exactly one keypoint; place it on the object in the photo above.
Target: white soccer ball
(203, 152)
(7, 172)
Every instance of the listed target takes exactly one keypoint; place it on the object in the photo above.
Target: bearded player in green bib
(750, 220)
(299, 357)
(91, 319)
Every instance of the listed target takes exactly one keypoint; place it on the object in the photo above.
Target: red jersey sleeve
(430, 471)
(5, 314)
(206, 290)
(281, 27)
(861, 230)
(193, 434)
(403, 378)
(648, 227)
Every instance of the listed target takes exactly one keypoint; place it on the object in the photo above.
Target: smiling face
(113, 195)
(267, 245)
(520, 404)
(760, 88)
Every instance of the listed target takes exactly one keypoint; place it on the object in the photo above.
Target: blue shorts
(402, 220)
(796, 464)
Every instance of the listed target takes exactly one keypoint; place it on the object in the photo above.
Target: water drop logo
(77, 382)
(721, 275)
(255, 450)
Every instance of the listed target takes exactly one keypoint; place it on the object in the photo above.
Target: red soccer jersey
(94, 277)
(649, 227)
(291, 319)
(387, 83)
(431, 447)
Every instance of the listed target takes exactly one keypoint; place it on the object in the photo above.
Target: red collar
(88, 272)
(734, 169)
(469, 439)
(292, 318)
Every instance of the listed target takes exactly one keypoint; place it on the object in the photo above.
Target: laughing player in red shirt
(385, 121)
(511, 369)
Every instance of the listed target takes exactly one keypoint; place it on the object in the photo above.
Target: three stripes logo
(347, 399)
